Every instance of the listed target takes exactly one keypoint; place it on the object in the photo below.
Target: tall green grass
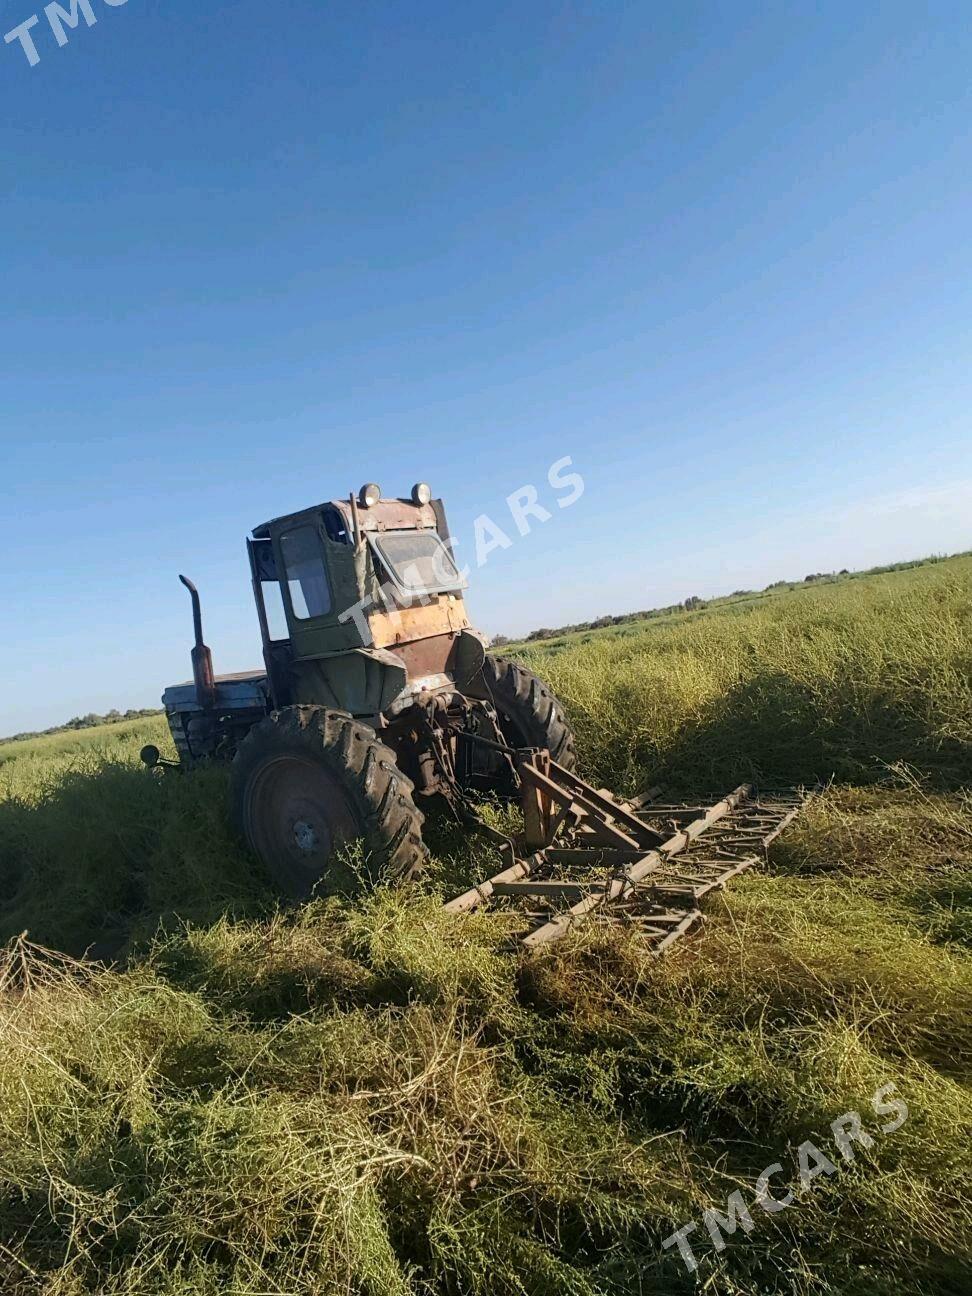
(379, 1098)
(835, 680)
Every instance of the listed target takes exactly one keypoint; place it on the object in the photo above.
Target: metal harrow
(585, 854)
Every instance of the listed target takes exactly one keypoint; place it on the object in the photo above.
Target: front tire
(529, 713)
(306, 784)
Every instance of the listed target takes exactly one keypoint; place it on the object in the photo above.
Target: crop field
(377, 1098)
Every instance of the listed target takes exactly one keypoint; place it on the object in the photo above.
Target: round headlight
(369, 494)
(421, 493)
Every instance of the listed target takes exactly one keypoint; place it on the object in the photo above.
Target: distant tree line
(89, 721)
(691, 604)
(695, 604)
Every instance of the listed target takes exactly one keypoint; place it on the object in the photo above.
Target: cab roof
(386, 515)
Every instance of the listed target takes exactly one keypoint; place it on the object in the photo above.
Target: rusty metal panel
(446, 614)
(389, 515)
(430, 656)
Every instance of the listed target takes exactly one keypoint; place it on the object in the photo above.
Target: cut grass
(377, 1098)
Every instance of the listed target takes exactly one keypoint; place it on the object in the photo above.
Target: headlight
(369, 494)
(421, 493)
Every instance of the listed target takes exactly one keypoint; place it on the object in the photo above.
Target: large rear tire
(529, 713)
(306, 783)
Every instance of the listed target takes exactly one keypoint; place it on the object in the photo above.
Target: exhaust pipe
(202, 658)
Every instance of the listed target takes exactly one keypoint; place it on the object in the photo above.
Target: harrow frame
(584, 853)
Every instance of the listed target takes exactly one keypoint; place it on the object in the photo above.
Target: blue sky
(255, 254)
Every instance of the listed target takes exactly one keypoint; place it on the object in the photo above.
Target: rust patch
(389, 515)
(446, 615)
(432, 656)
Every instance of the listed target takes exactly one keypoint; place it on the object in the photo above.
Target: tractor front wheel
(306, 784)
(529, 714)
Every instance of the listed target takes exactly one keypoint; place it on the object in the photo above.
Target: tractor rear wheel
(307, 782)
(529, 714)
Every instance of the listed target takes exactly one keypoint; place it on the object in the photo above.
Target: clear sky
(254, 254)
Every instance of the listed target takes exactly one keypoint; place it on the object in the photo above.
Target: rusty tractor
(376, 694)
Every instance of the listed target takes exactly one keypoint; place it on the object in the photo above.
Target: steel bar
(788, 819)
(558, 890)
(590, 798)
(600, 826)
(593, 855)
(651, 862)
(478, 895)
(659, 889)
(688, 922)
(643, 800)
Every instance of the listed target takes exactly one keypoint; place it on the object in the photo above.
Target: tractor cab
(360, 603)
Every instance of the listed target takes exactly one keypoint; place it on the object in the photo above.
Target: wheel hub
(306, 837)
(297, 817)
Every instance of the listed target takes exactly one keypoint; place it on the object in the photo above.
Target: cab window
(306, 575)
(417, 561)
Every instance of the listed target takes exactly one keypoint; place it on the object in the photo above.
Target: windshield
(417, 561)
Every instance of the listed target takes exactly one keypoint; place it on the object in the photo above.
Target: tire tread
(379, 794)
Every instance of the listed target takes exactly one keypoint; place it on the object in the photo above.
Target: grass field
(374, 1098)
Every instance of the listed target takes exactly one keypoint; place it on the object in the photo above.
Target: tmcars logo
(60, 18)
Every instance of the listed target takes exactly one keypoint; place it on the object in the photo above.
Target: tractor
(376, 697)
